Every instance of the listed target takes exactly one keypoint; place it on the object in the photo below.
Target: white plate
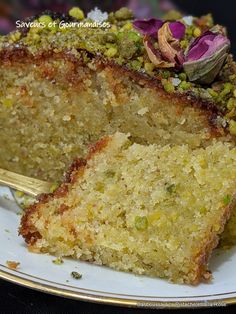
(101, 284)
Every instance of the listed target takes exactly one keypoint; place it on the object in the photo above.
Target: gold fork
(24, 184)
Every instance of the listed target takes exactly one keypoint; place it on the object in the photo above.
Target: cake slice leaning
(154, 210)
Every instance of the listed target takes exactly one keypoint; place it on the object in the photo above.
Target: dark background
(223, 11)
(16, 299)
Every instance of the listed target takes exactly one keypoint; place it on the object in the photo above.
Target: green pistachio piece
(128, 44)
(123, 14)
(136, 65)
(172, 15)
(111, 52)
(227, 199)
(141, 223)
(109, 38)
(77, 13)
(232, 127)
(76, 275)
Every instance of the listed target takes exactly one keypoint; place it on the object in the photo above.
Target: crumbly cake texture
(62, 89)
(154, 210)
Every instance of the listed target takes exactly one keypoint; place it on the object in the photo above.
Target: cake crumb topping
(12, 264)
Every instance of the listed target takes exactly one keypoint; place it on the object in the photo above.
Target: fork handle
(30, 186)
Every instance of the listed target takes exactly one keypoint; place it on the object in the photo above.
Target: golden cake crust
(210, 244)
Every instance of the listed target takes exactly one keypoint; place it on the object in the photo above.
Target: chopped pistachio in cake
(154, 210)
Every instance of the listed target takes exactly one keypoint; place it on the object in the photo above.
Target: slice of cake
(154, 210)
(65, 85)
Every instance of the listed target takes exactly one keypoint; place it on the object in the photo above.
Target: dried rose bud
(151, 27)
(155, 55)
(177, 29)
(205, 57)
(168, 35)
(169, 45)
(148, 27)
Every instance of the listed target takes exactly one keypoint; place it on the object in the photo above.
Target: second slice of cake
(147, 209)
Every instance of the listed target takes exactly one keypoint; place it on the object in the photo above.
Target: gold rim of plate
(117, 301)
